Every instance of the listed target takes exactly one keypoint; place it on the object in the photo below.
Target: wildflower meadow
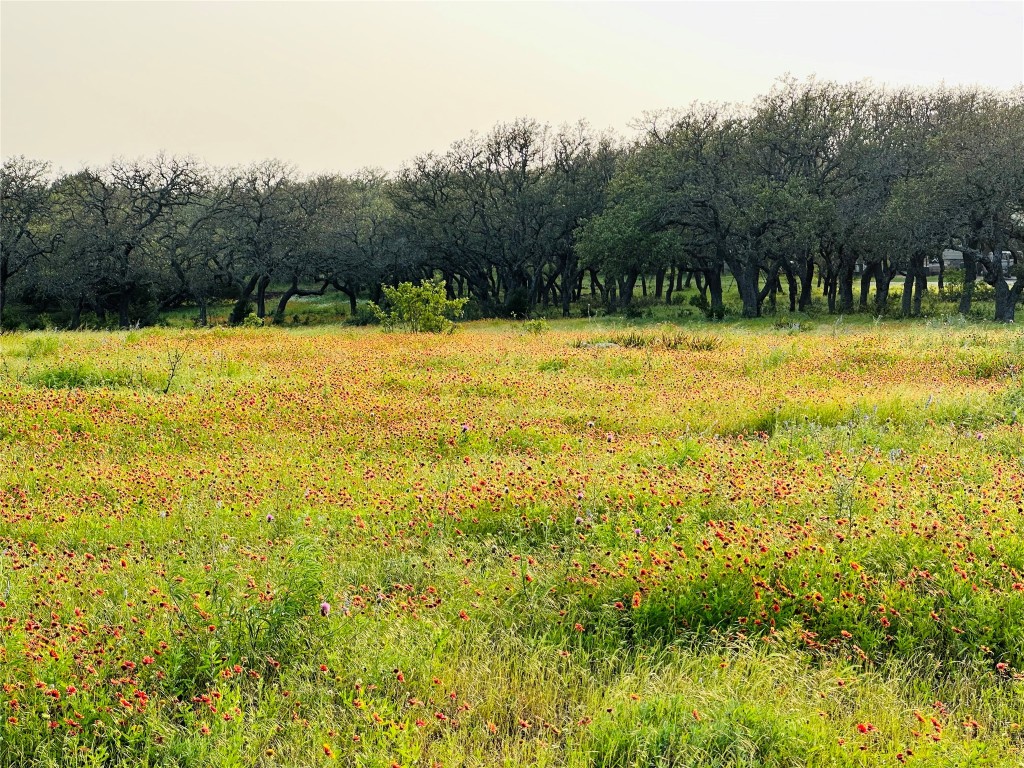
(566, 544)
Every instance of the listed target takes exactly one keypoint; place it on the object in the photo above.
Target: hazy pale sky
(339, 86)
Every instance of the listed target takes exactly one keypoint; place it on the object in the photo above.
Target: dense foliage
(812, 179)
(422, 308)
(589, 545)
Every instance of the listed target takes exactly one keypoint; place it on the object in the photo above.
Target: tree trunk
(883, 278)
(790, 285)
(942, 273)
(908, 292)
(659, 283)
(806, 284)
(970, 276)
(351, 292)
(294, 291)
(238, 311)
(283, 302)
(261, 296)
(830, 287)
(921, 283)
(626, 286)
(596, 282)
(714, 285)
(746, 282)
(671, 284)
(568, 283)
(870, 271)
(1005, 312)
(772, 286)
(1006, 297)
(76, 314)
(846, 288)
(1004, 304)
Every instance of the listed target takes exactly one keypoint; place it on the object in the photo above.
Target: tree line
(814, 184)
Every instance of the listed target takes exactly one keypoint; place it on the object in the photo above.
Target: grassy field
(575, 544)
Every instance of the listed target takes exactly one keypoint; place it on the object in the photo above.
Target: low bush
(423, 308)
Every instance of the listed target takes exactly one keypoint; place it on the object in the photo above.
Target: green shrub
(423, 308)
(953, 287)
